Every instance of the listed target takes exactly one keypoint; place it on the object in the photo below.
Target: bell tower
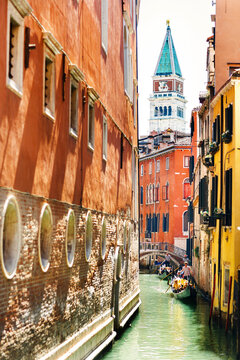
(167, 102)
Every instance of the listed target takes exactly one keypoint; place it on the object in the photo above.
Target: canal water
(166, 328)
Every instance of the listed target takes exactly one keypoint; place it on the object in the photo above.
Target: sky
(190, 22)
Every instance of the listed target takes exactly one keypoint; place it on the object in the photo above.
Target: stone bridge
(160, 249)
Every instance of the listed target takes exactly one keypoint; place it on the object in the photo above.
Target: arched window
(147, 195)
(157, 192)
(161, 111)
(169, 111)
(10, 237)
(156, 111)
(153, 193)
(70, 238)
(150, 194)
(165, 111)
(186, 188)
(185, 223)
(44, 238)
(165, 191)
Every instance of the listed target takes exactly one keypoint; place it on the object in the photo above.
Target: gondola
(183, 289)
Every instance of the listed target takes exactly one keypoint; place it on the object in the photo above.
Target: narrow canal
(166, 328)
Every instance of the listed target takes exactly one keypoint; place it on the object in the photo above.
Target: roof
(168, 62)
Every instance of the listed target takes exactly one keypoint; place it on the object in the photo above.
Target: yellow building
(225, 196)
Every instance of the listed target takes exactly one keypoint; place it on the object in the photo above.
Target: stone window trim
(9, 273)
(103, 239)
(45, 207)
(88, 236)
(76, 76)
(51, 49)
(92, 98)
(68, 255)
(184, 224)
(104, 25)
(105, 138)
(17, 10)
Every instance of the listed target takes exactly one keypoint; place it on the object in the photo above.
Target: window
(165, 111)
(186, 160)
(157, 193)
(128, 74)
(228, 197)
(150, 194)
(92, 97)
(185, 223)
(169, 111)
(104, 24)
(51, 49)
(105, 133)
(156, 111)
(165, 224)
(226, 284)
(216, 130)
(73, 107)
(214, 196)
(167, 163)
(141, 195)
(70, 237)
(147, 195)
(15, 44)
(191, 169)
(165, 192)
(141, 170)
(88, 236)
(158, 166)
(161, 111)
(10, 237)
(158, 222)
(75, 76)
(103, 238)
(150, 168)
(141, 223)
(229, 119)
(45, 236)
(203, 194)
(186, 189)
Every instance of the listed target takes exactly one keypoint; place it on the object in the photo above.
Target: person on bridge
(167, 259)
(186, 271)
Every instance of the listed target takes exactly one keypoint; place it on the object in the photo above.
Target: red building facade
(164, 191)
(68, 179)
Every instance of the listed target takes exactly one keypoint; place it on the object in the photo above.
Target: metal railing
(162, 247)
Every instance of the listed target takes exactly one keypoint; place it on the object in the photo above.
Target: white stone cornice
(22, 7)
(92, 94)
(76, 72)
(51, 42)
(223, 91)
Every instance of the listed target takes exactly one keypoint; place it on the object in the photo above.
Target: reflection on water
(166, 328)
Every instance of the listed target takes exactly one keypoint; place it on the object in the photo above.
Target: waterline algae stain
(168, 329)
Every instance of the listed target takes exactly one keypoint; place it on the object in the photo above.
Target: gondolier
(167, 259)
(186, 271)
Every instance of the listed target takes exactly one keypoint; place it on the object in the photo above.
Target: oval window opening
(103, 238)
(88, 237)
(70, 237)
(11, 240)
(45, 235)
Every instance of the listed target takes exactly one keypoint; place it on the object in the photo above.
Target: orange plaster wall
(39, 156)
(227, 48)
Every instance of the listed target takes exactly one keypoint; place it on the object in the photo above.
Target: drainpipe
(139, 239)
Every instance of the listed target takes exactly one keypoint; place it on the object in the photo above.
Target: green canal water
(166, 328)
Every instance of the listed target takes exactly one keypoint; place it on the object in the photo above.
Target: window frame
(104, 25)
(186, 159)
(158, 166)
(184, 231)
(17, 10)
(75, 84)
(141, 169)
(167, 163)
(105, 138)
